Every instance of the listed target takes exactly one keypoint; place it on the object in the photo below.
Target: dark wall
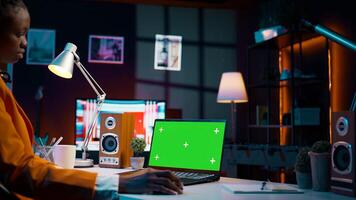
(74, 22)
(246, 23)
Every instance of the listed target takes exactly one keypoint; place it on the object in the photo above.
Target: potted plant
(138, 146)
(302, 169)
(320, 165)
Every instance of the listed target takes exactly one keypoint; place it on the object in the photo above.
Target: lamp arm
(90, 132)
(96, 87)
(99, 103)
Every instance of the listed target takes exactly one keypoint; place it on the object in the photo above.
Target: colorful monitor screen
(146, 112)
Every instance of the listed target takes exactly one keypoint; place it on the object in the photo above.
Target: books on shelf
(261, 115)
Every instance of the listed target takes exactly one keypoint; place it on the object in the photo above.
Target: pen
(52, 141)
(264, 183)
(43, 149)
(54, 145)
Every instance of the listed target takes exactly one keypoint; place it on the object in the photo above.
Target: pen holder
(42, 152)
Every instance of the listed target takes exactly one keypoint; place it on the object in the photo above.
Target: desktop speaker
(343, 174)
(116, 131)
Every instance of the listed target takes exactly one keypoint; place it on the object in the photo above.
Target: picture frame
(168, 52)
(106, 49)
(40, 46)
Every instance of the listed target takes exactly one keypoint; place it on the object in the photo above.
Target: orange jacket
(26, 174)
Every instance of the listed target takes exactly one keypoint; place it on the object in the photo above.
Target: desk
(215, 191)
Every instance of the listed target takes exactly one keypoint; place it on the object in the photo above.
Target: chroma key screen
(187, 144)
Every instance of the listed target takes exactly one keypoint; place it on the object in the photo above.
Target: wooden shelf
(287, 83)
(269, 126)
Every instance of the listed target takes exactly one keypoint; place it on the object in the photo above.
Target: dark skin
(150, 181)
(13, 43)
(13, 40)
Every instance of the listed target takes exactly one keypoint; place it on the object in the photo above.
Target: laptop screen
(187, 144)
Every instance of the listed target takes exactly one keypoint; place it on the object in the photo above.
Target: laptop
(192, 149)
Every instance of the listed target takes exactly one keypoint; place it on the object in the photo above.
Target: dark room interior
(298, 81)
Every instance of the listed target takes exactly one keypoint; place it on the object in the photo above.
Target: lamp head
(62, 65)
(232, 88)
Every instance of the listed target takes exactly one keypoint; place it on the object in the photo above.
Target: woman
(28, 175)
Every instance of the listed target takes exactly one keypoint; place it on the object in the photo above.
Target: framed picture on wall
(106, 49)
(168, 52)
(40, 46)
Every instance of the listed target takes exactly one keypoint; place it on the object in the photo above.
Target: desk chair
(6, 194)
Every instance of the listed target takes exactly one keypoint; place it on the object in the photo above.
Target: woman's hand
(150, 181)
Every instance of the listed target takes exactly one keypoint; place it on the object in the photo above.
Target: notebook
(258, 188)
(192, 149)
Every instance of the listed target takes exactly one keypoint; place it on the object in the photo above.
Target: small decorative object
(286, 119)
(138, 146)
(302, 169)
(320, 165)
(261, 115)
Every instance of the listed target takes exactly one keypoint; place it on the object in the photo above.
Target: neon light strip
(330, 99)
(335, 37)
(281, 139)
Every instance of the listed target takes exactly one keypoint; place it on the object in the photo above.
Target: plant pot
(304, 180)
(137, 162)
(320, 167)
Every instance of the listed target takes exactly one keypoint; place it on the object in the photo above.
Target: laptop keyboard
(191, 178)
(192, 175)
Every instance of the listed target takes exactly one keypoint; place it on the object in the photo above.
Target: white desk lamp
(232, 90)
(62, 66)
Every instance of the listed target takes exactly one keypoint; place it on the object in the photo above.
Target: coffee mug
(64, 156)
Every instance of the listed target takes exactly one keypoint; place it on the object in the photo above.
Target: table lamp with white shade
(232, 90)
(62, 66)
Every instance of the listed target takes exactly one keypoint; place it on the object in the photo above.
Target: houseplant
(302, 169)
(138, 146)
(320, 165)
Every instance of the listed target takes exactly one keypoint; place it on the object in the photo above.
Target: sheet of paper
(256, 188)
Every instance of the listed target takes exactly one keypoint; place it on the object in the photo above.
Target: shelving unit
(304, 92)
(283, 101)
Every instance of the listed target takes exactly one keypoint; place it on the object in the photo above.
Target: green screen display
(187, 144)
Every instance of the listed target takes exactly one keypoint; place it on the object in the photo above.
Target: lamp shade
(62, 65)
(232, 88)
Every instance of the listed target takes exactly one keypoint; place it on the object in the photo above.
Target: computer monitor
(146, 112)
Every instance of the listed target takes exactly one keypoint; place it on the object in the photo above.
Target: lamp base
(81, 163)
